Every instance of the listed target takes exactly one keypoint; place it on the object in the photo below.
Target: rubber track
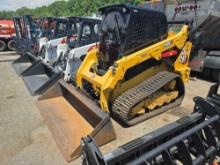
(123, 105)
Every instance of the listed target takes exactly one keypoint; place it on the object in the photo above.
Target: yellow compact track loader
(137, 71)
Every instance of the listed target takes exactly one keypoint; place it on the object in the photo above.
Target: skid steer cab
(25, 40)
(62, 55)
(136, 71)
(20, 38)
(35, 34)
(193, 139)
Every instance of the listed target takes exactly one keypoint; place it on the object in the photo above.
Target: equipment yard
(25, 138)
(113, 86)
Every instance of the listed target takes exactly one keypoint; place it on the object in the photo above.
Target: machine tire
(3, 46)
(11, 45)
(216, 75)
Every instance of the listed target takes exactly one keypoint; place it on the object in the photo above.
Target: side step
(70, 115)
(22, 63)
(39, 77)
(192, 140)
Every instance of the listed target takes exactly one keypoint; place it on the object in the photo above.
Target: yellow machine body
(106, 84)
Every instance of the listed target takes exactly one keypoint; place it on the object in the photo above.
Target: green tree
(65, 8)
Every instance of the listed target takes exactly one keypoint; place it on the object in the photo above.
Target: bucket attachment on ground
(39, 77)
(70, 115)
(22, 63)
(193, 140)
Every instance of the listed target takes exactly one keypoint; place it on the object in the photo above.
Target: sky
(15, 4)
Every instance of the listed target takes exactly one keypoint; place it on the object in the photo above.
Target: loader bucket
(39, 77)
(70, 115)
(22, 63)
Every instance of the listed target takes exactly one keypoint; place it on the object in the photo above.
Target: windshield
(111, 36)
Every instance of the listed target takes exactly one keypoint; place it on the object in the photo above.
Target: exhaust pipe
(39, 77)
(70, 115)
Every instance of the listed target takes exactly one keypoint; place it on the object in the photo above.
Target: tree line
(71, 8)
(65, 8)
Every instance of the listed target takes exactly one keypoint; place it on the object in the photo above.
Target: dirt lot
(25, 139)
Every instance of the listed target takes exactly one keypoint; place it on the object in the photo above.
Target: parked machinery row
(129, 65)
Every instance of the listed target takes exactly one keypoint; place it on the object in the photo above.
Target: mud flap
(193, 140)
(39, 77)
(70, 115)
(23, 63)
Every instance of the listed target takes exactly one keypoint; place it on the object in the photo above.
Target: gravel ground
(25, 139)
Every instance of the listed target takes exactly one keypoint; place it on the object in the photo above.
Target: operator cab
(126, 29)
